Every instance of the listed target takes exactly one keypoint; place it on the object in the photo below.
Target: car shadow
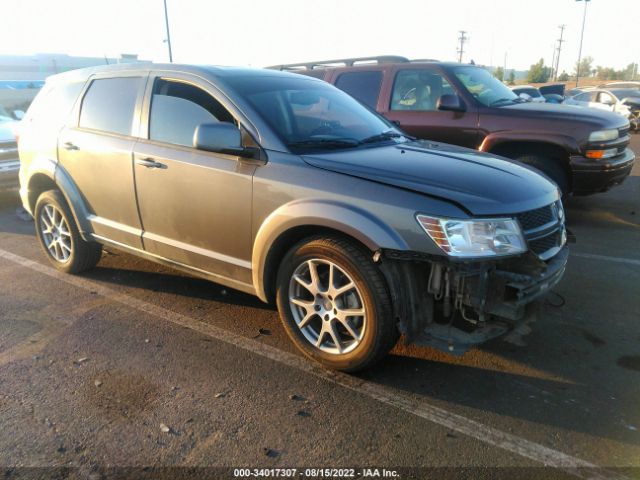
(169, 282)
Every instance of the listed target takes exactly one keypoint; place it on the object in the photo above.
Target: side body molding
(348, 219)
(55, 172)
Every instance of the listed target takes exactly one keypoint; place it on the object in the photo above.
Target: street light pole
(166, 22)
(584, 18)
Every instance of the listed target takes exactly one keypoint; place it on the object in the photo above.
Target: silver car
(9, 162)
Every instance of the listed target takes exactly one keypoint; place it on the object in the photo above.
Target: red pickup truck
(582, 150)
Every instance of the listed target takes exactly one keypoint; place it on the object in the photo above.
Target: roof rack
(346, 62)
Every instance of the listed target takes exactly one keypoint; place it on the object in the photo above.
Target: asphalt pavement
(134, 365)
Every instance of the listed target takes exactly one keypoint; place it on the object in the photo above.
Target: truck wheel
(334, 304)
(551, 168)
(59, 236)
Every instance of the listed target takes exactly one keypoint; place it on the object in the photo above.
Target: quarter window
(177, 108)
(418, 90)
(363, 86)
(110, 103)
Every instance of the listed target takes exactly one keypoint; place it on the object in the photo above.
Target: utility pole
(462, 38)
(584, 18)
(166, 22)
(553, 63)
(560, 40)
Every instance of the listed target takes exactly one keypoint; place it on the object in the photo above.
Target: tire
(59, 236)
(359, 317)
(551, 168)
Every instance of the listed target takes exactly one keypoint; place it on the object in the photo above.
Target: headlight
(603, 135)
(474, 238)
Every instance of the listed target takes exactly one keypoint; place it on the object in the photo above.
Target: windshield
(312, 115)
(484, 87)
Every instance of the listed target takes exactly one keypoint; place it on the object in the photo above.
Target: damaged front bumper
(454, 306)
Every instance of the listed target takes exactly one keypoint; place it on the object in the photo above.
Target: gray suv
(287, 188)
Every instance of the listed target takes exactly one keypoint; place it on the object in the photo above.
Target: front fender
(495, 139)
(60, 177)
(347, 219)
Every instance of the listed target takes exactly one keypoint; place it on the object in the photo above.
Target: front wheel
(59, 235)
(334, 304)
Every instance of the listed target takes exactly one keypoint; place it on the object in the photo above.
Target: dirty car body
(465, 242)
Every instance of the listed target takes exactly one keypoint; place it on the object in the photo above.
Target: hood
(480, 183)
(598, 119)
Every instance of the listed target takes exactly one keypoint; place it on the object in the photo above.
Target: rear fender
(44, 166)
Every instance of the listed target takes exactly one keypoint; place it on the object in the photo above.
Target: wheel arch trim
(322, 215)
(51, 169)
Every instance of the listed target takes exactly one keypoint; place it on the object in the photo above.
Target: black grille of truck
(543, 229)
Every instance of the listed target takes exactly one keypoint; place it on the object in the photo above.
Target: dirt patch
(117, 394)
(630, 362)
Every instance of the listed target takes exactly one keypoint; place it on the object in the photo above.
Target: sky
(266, 32)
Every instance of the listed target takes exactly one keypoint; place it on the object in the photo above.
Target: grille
(536, 218)
(624, 131)
(541, 240)
(541, 245)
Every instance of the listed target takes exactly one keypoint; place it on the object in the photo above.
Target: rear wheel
(59, 236)
(551, 167)
(334, 304)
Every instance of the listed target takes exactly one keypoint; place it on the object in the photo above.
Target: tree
(585, 66)
(564, 77)
(538, 73)
(512, 77)
(499, 73)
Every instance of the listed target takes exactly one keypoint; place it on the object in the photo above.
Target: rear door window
(110, 103)
(363, 86)
(177, 108)
(418, 90)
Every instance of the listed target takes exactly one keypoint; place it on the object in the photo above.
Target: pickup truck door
(411, 100)
(195, 205)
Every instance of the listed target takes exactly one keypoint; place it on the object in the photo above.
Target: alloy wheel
(55, 233)
(327, 306)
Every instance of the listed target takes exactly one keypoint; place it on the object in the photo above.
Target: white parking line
(606, 258)
(416, 406)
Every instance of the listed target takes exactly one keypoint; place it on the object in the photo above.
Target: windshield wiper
(501, 100)
(326, 143)
(383, 136)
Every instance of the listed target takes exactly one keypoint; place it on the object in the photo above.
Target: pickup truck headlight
(603, 135)
(474, 238)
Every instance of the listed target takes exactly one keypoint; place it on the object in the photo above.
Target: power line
(560, 41)
(166, 22)
(462, 38)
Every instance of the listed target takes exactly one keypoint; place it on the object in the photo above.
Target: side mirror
(450, 103)
(220, 137)
(19, 114)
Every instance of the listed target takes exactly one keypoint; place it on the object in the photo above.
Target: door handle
(150, 163)
(70, 146)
